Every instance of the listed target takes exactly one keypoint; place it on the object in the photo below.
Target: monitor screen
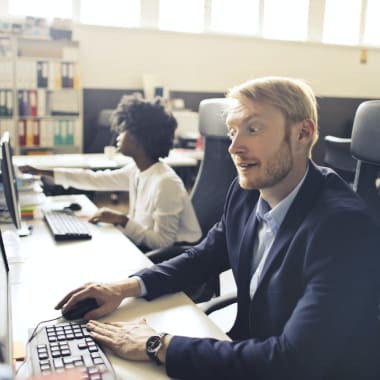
(8, 179)
(5, 325)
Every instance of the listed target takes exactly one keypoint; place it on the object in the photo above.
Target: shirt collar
(141, 175)
(275, 216)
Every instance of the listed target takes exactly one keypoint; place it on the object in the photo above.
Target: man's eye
(231, 134)
(255, 128)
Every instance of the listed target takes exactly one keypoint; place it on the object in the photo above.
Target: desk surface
(176, 158)
(42, 271)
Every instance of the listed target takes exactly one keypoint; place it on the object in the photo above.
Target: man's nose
(237, 144)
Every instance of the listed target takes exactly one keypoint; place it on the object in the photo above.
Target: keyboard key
(48, 357)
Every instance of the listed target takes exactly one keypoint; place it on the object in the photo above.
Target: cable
(34, 333)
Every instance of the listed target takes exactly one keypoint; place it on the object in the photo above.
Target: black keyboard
(56, 348)
(64, 225)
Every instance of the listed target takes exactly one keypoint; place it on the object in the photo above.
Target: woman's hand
(27, 169)
(108, 215)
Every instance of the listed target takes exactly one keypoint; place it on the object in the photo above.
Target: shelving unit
(6, 85)
(45, 93)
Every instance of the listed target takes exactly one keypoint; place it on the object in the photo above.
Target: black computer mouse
(74, 206)
(80, 309)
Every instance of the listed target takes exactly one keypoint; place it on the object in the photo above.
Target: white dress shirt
(160, 211)
(269, 223)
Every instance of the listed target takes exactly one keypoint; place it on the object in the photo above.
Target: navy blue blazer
(314, 314)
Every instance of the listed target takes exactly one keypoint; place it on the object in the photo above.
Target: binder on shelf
(46, 133)
(6, 102)
(29, 132)
(3, 107)
(19, 103)
(55, 77)
(2, 127)
(63, 131)
(33, 102)
(70, 75)
(48, 103)
(41, 102)
(70, 132)
(76, 83)
(23, 103)
(65, 74)
(10, 126)
(9, 103)
(21, 130)
(43, 133)
(57, 132)
(36, 132)
(7, 125)
(42, 74)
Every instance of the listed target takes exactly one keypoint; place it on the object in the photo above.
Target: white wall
(118, 57)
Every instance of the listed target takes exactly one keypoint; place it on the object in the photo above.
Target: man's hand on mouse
(107, 295)
(108, 215)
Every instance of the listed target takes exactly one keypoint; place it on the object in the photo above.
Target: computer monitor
(8, 179)
(5, 314)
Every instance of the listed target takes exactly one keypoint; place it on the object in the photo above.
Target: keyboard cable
(34, 333)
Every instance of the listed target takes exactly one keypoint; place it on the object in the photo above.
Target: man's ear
(306, 130)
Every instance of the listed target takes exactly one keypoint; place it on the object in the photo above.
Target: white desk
(42, 271)
(176, 158)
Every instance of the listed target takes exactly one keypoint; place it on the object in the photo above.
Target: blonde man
(303, 249)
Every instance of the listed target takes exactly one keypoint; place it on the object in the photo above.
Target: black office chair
(365, 148)
(214, 177)
(103, 135)
(338, 157)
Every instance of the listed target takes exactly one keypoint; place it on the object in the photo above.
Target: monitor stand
(5, 218)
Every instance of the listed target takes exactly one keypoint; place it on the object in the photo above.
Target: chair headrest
(366, 132)
(104, 118)
(212, 117)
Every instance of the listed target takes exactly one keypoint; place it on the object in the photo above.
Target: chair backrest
(104, 118)
(217, 169)
(338, 156)
(365, 148)
(103, 135)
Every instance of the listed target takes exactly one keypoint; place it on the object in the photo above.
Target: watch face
(152, 343)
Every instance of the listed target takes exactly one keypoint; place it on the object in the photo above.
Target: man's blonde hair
(293, 97)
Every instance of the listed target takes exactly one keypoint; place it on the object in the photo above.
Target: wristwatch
(153, 345)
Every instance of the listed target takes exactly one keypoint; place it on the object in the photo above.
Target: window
(111, 12)
(41, 8)
(372, 25)
(238, 16)
(182, 15)
(339, 21)
(342, 22)
(286, 20)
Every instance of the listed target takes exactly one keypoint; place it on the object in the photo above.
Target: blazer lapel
(246, 252)
(296, 214)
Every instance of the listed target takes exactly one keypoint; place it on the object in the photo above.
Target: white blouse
(160, 210)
